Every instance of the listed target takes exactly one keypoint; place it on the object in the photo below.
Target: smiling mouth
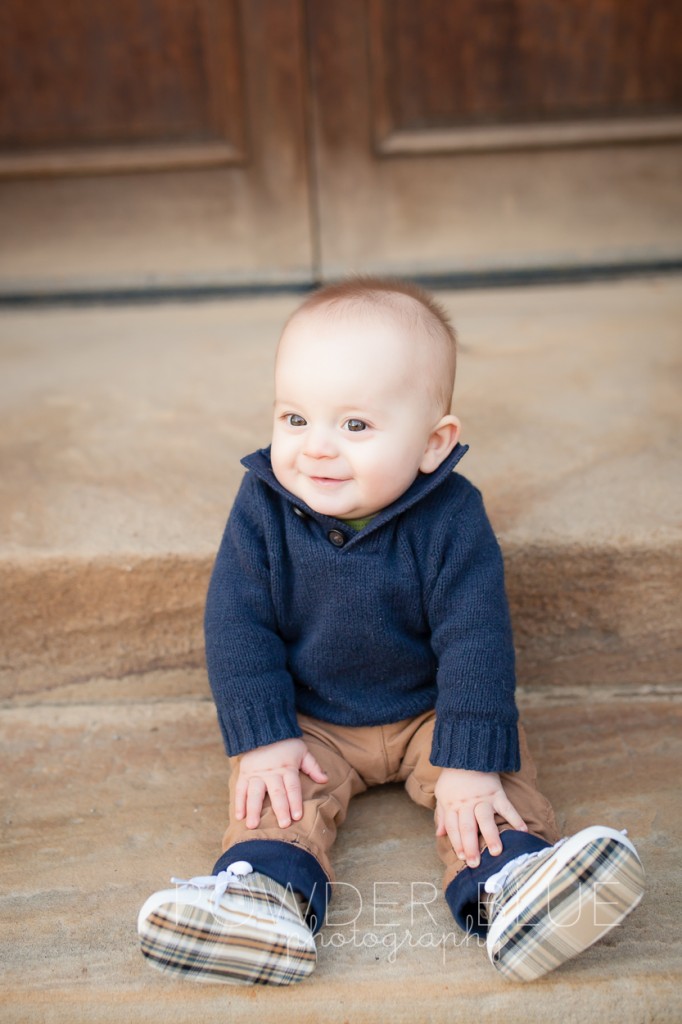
(327, 481)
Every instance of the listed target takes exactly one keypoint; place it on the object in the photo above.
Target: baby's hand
(466, 804)
(274, 769)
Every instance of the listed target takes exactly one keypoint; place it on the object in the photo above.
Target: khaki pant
(355, 759)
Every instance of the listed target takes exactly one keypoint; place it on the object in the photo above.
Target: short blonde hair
(405, 301)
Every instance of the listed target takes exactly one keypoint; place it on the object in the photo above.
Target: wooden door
(193, 143)
(152, 142)
(464, 136)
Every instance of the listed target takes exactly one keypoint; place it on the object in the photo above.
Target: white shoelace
(234, 875)
(495, 883)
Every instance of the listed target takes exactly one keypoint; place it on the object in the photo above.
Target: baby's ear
(442, 440)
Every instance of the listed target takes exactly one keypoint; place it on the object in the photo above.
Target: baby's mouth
(328, 481)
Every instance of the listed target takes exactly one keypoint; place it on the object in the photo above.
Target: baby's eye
(294, 420)
(355, 425)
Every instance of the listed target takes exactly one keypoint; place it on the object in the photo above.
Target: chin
(333, 513)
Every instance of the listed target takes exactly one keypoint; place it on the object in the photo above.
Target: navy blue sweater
(363, 628)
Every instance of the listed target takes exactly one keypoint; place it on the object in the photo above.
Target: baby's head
(363, 383)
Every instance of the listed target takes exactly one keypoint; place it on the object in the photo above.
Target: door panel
(154, 142)
(468, 135)
(91, 77)
(151, 143)
(436, 64)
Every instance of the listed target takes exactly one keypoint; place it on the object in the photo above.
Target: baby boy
(357, 633)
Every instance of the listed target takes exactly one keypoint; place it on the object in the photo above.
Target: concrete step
(121, 430)
(120, 435)
(102, 804)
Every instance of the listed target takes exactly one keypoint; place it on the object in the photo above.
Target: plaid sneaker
(221, 928)
(548, 906)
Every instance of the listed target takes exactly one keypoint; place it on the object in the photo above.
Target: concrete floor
(120, 434)
(102, 804)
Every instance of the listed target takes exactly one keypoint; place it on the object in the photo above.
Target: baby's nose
(319, 444)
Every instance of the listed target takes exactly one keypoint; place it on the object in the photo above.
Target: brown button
(337, 538)
(300, 513)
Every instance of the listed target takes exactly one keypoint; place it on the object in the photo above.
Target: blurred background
(189, 144)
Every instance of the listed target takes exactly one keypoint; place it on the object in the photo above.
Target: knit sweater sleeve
(476, 714)
(245, 656)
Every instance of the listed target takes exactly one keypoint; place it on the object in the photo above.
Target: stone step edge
(609, 614)
(180, 686)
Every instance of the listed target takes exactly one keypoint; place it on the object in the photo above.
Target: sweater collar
(259, 463)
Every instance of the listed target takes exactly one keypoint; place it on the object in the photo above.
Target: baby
(357, 633)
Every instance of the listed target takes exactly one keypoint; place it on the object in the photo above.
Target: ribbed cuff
(464, 892)
(246, 728)
(289, 865)
(476, 745)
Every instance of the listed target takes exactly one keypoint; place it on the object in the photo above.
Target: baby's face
(352, 412)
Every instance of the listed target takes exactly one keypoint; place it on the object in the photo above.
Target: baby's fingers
(254, 802)
(462, 831)
(468, 827)
(279, 799)
(506, 809)
(449, 826)
(489, 830)
(292, 784)
(310, 766)
(240, 797)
